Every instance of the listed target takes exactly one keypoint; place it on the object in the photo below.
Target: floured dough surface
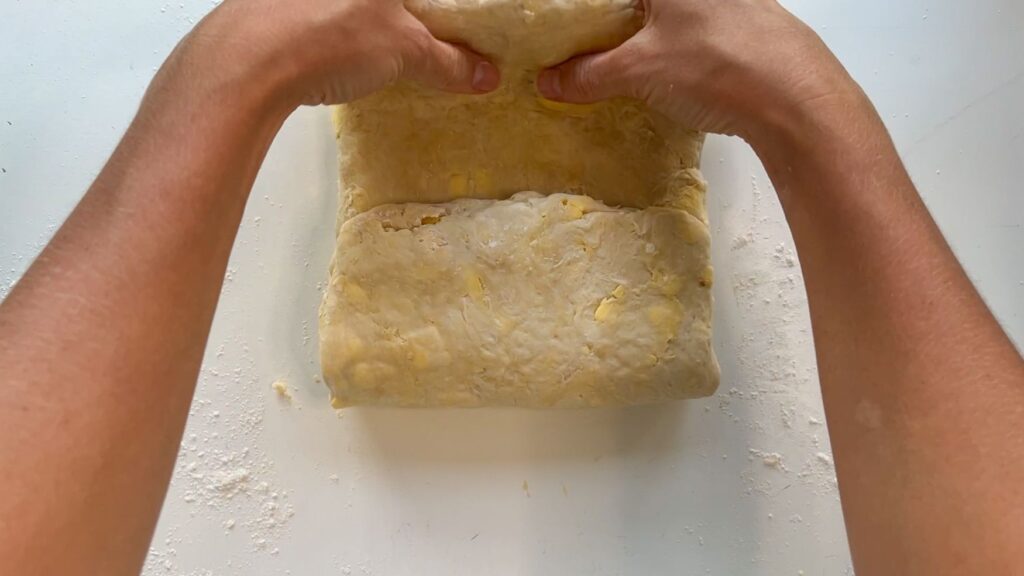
(535, 301)
(505, 250)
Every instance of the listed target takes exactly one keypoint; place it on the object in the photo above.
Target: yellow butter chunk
(575, 209)
(606, 309)
(281, 388)
(567, 107)
(458, 185)
(474, 286)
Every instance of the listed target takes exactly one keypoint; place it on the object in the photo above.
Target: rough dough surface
(452, 287)
(533, 301)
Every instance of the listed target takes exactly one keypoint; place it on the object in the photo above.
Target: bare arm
(923, 391)
(101, 341)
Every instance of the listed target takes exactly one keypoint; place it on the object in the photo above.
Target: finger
(592, 77)
(451, 68)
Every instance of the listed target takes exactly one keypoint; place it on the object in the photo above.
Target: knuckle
(418, 57)
(583, 78)
(446, 67)
(418, 44)
(635, 65)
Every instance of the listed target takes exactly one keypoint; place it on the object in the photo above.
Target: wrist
(211, 65)
(830, 128)
(206, 110)
(834, 165)
(794, 124)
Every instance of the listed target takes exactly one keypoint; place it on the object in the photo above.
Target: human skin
(102, 339)
(923, 391)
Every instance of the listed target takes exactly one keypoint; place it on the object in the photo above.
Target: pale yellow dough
(533, 301)
(452, 287)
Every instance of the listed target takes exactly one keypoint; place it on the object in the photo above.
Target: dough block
(506, 250)
(534, 301)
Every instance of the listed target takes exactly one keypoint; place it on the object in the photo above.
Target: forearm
(921, 387)
(103, 337)
(920, 384)
(101, 341)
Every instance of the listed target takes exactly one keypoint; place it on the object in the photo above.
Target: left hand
(332, 51)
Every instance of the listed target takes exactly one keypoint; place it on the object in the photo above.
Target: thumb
(451, 68)
(588, 78)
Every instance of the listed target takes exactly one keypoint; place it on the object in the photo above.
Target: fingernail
(485, 77)
(549, 82)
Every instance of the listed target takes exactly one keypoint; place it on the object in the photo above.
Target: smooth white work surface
(741, 483)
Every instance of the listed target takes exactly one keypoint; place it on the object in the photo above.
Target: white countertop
(741, 483)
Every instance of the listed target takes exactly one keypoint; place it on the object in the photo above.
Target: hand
(333, 51)
(738, 67)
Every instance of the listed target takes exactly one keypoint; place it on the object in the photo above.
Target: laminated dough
(505, 250)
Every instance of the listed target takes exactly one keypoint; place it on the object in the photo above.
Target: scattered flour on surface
(222, 476)
(773, 395)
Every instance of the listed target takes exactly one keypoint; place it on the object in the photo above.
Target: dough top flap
(411, 144)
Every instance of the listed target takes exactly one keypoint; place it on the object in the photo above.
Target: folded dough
(452, 287)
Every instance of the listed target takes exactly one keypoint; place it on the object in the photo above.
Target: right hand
(737, 67)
